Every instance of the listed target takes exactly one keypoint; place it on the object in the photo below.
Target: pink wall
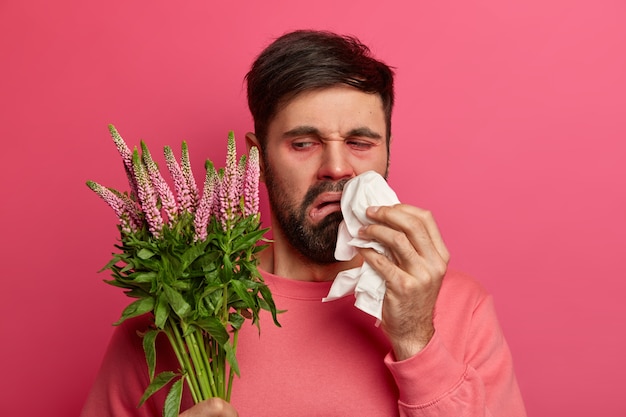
(510, 127)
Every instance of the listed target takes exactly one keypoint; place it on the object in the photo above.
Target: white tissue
(365, 190)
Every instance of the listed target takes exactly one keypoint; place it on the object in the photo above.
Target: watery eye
(360, 144)
(302, 145)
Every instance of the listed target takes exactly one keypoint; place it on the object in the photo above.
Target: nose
(335, 164)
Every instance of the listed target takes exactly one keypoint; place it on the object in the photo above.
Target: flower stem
(178, 345)
(231, 374)
(206, 363)
(215, 359)
(222, 363)
(201, 371)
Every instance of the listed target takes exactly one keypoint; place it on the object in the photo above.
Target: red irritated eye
(360, 145)
(300, 146)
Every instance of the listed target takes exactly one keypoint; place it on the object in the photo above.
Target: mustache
(322, 187)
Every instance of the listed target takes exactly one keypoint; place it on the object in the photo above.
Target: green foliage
(198, 290)
(156, 384)
(173, 399)
(199, 293)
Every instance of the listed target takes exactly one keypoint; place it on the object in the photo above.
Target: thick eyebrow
(311, 130)
(302, 131)
(364, 132)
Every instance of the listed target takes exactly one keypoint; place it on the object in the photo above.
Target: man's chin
(319, 246)
(319, 257)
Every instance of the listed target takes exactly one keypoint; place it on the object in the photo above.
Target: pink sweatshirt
(328, 359)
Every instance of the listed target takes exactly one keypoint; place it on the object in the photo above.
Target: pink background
(510, 126)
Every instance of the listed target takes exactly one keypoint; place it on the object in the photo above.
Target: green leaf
(242, 291)
(149, 349)
(227, 269)
(113, 261)
(137, 292)
(145, 254)
(136, 308)
(157, 383)
(267, 296)
(127, 267)
(176, 300)
(192, 254)
(247, 240)
(117, 283)
(182, 285)
(236, 320)
(143, 276)
(209, 258)
(214, 327)
(161, 311)
(173, 400)
(231, 358)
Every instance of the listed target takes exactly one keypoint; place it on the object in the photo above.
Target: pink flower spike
(241, 175)
(127, 158)
(188, 174)
(184, 199)
(168, 201)
(221, 200)
(251, 183)
(229, 198)
(147, 197)
(131, 207)
(125, 214)
(206, 205)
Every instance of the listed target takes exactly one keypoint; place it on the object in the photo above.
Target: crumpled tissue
(359, 193)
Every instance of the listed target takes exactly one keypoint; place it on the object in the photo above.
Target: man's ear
(252, 140)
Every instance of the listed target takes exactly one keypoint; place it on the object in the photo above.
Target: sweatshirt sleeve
(474, 379)
(123, 377)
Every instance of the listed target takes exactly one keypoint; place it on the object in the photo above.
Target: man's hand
(413, 277)
(213, 407)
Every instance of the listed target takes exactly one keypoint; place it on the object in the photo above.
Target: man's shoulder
(456, 283)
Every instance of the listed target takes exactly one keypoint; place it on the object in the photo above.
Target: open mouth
(325, 204)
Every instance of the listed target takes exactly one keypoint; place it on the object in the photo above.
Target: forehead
(334, 110)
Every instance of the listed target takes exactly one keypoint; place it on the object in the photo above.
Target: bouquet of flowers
(189, 260)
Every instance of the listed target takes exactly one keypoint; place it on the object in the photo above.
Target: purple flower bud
(251, 183)
(185, 200)
(126, 215)
(206, 205)
(188, 174)
(127, 158)
(168, 201)
(229, 198)
(147, 197)
(241, 175)
(131, 207)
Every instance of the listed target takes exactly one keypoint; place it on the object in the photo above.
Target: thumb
(213, 407)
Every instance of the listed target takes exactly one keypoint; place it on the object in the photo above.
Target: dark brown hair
(305, 60)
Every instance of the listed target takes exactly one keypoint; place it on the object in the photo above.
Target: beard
(315, 242)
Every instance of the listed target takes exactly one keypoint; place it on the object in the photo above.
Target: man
(322, 113)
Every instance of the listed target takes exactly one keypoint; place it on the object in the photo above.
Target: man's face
(316, 142)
